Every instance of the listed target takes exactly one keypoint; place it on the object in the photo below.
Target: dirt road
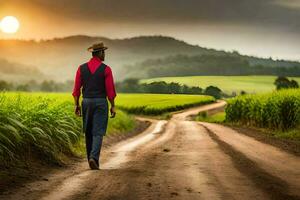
(178, 159)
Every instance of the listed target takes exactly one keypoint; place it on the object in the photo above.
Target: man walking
(96, 80)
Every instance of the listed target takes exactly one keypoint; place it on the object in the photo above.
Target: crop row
(44, 125)
(277, 110)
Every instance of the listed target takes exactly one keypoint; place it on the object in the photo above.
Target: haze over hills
(18, 72)
(210, 65)
(59, 58)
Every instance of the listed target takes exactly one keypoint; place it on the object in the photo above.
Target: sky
(264, 28)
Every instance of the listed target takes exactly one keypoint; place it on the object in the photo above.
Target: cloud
(292, 4)
(174, 11)
(230, 24)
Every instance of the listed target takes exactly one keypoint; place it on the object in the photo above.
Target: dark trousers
(95, 118)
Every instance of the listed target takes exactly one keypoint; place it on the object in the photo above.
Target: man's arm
(110, 90)
(112, 108)
(112, 102)
(77, 106)
(76, 101)
(76, 92)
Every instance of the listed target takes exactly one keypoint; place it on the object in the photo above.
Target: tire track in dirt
(182, 161)
(263, 175)
(187, 165)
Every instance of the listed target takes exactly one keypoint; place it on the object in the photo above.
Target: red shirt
(93, 65)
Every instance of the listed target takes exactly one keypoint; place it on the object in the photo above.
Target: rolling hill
(204, 65)
(60, 57)
(18, 72)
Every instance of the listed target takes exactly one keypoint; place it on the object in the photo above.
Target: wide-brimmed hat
(97, 47)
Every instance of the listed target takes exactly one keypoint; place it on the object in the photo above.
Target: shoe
(93, 164)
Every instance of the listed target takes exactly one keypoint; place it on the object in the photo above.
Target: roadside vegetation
(44, 125)
(278, 111)
(218, 117)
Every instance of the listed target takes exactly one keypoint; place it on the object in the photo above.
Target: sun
(9, 24)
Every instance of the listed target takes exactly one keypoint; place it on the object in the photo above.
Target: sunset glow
(9, 24)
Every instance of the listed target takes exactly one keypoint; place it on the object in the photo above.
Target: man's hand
(113, 112)
(78, 111)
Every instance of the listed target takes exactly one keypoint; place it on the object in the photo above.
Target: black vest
(93, 85)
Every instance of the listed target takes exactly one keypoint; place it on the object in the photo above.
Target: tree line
(34, 86)
(126, 86)
(132, 85)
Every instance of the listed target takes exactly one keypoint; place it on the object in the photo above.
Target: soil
(289, 145)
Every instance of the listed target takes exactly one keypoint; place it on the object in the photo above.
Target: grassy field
(44, 123)
(156, 104)
(214, 118)
(228, 84)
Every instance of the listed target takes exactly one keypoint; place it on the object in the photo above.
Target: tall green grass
(214, 118)
(45, 125)
(278, 110)
(157, 104)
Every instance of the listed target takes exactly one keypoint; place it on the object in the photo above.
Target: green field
(156, 104)
(228, 84)
(45, 124)
(214, 118)
(278, 110)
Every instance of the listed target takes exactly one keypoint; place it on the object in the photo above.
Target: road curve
(178, 159)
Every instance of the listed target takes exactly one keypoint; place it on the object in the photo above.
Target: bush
(283, 83)
(213, 91)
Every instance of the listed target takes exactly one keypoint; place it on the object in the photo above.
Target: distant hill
(18, 72)
(59, 58)
(207, 64)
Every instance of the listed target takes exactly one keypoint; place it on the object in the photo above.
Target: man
(96, 80)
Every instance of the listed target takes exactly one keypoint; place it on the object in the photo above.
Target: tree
(23, 88)
(294, 84)
(213, 91)
(283, 83)
(243, 92)
(195, 90)
(5, 86)
(48, 86)
(185, 89)
(174, 88)
(129, 85)
(160, 87)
